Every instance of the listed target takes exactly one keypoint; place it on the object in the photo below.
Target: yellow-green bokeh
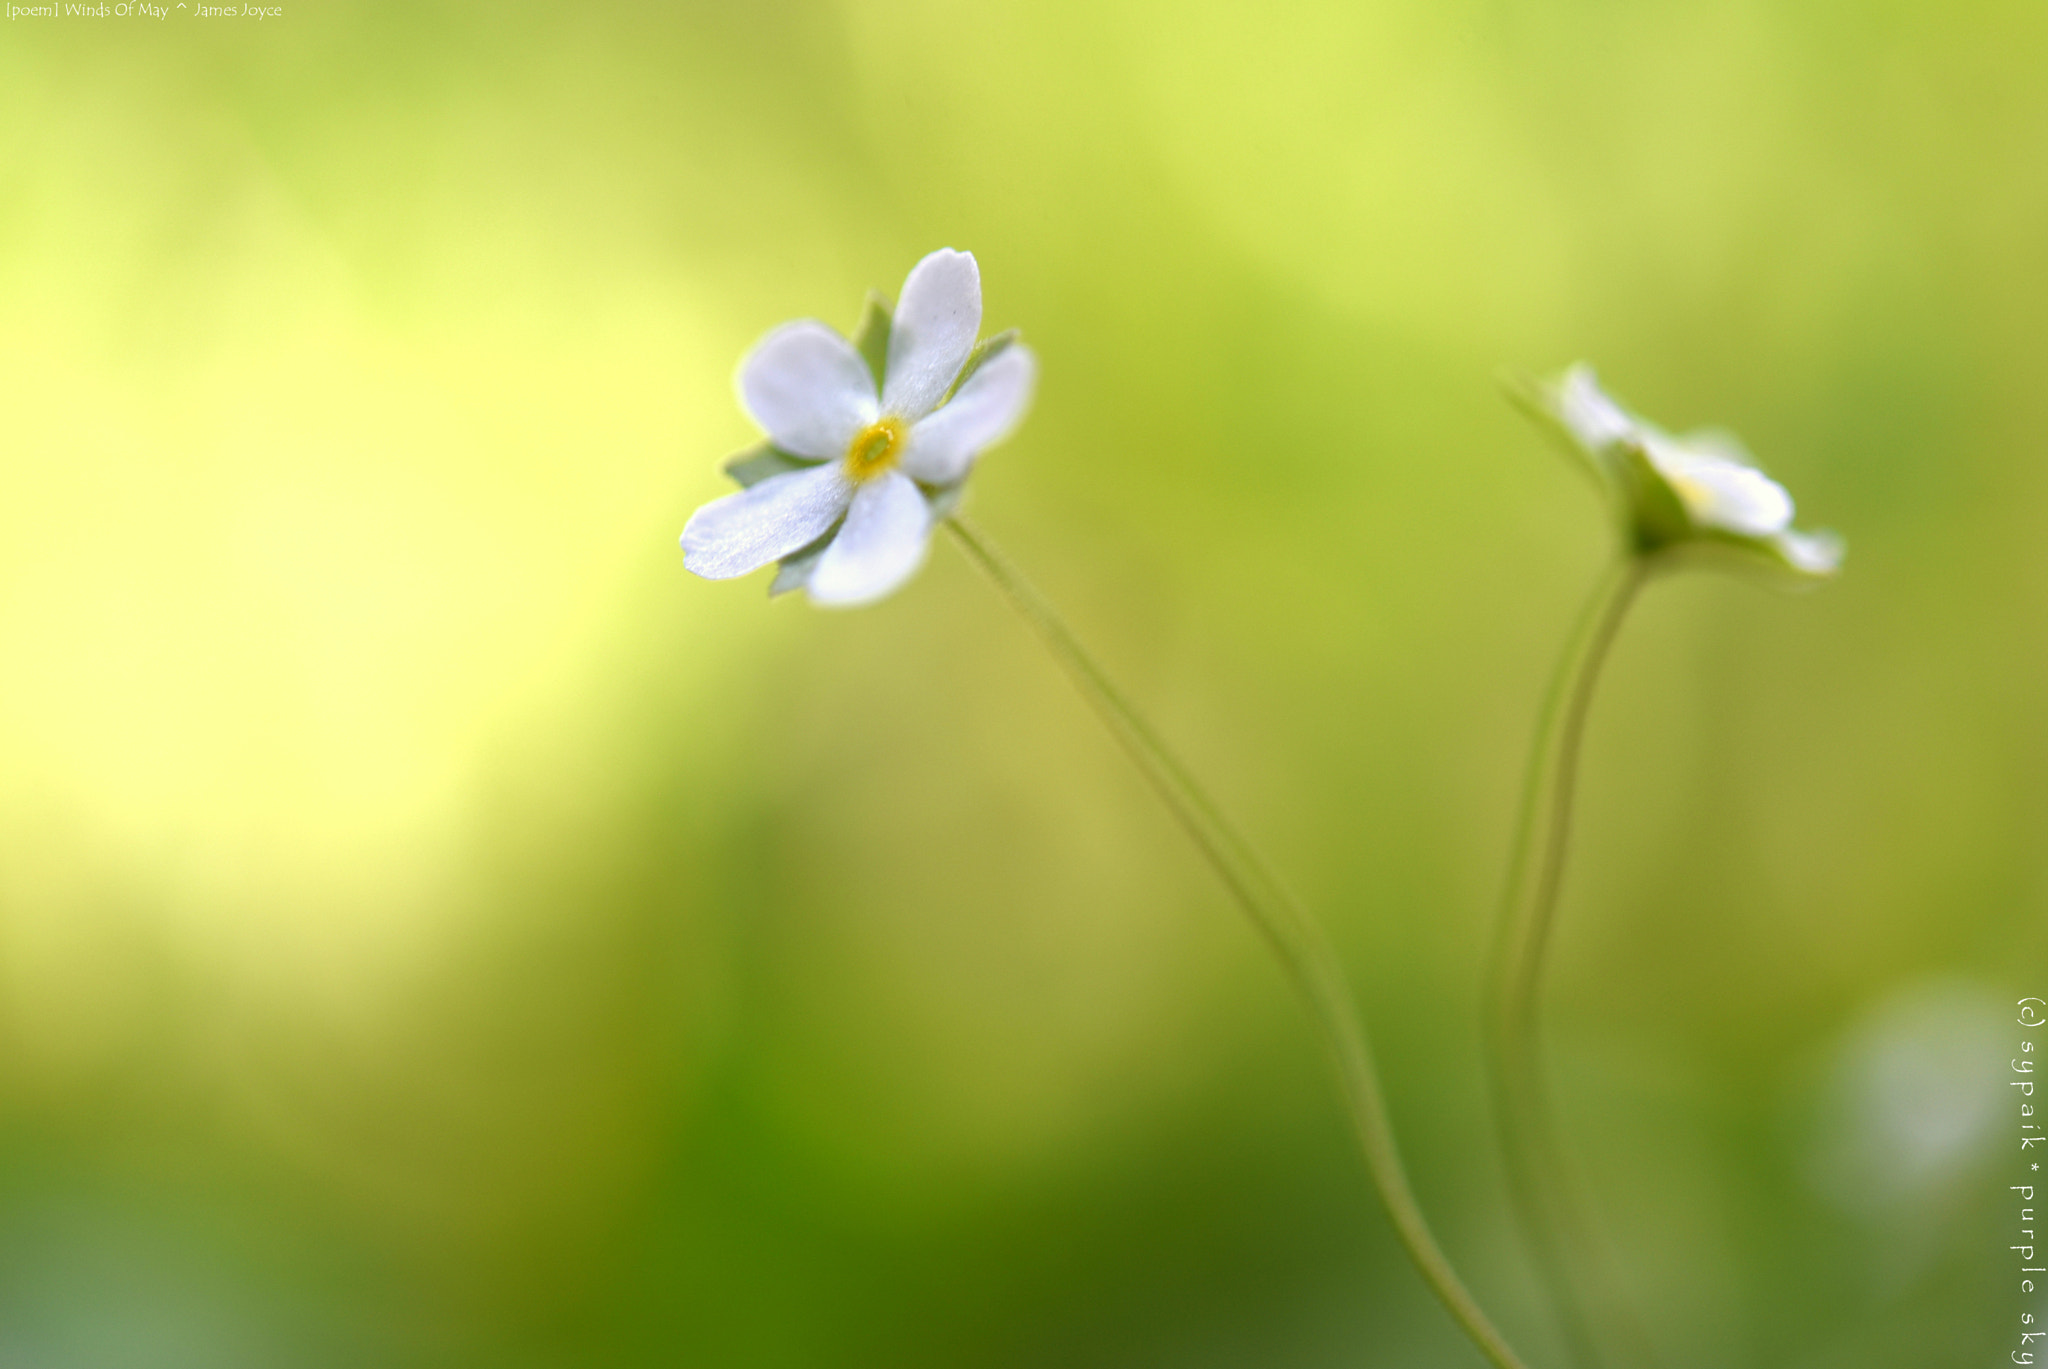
(437, 929)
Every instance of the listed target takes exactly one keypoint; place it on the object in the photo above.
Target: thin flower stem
(1304, 950)
(1552, 1221)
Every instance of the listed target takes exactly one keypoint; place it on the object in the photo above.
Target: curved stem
(1552, 1222)
(1304, 950)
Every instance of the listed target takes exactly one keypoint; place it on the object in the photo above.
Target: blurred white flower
(1701, 488)
(1911, 1098)
(855, 472)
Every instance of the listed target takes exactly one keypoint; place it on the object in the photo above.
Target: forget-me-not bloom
(1701, 488)
(868, 445)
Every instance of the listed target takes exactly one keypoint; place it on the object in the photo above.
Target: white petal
(733, 535)
(1722, 494)
(1594, 419)
(932, 333)
(882, 543)
(1816, 553)
(982, 413)
(809, 389)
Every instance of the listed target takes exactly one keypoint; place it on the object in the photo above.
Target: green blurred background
(436, 929)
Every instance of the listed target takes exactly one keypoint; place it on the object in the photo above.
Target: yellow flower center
(875, 448)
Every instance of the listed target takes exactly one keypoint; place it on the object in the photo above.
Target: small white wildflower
(1701, 488)
(854, 472)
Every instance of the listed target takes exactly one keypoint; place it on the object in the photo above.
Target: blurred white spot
(1912, 1098)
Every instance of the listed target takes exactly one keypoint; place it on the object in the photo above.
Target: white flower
(1699, 488)
(854, 473)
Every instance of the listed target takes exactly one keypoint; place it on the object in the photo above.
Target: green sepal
(986, 350)
(756, 464)
(1537, 401)
(794, 570)
(943, 499)
(1656, 515)
(1652, 515)
(871, 336)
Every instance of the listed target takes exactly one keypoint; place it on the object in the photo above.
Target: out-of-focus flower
(1699, 489)
(1909, 1104)
(869, 441)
